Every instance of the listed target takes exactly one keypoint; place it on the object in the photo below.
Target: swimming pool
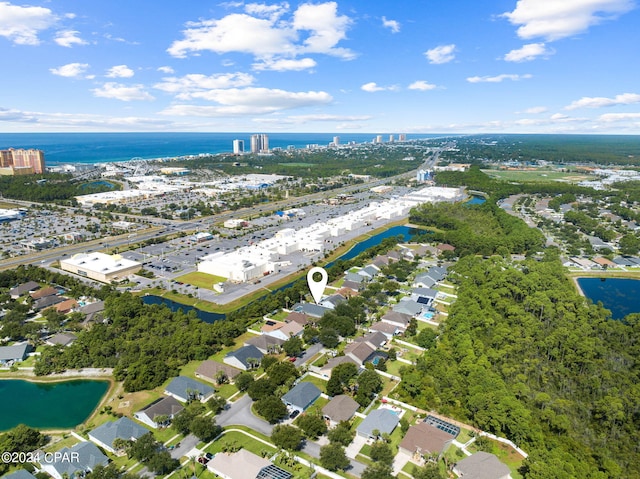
(427, 315)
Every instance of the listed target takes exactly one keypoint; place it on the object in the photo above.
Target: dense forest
(48, 188)
(524, 356)
(596, 149)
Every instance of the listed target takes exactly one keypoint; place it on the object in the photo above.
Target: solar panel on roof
(443, 425)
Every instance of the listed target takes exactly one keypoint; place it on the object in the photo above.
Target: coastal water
(404, 231)
(48, 405)
(619, 295)
(73, 148)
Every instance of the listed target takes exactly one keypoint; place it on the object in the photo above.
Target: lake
(52, 405)
(619, 295)
(406, 232)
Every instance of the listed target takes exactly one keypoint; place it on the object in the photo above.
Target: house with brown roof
(333, 362)
(359, 351)
(481, 465)
(287, 331)
(388, 329)
(265, 343)
(44, 292)
(66, 306)
(423, 440)
(211, 371)
(300, 318)
(164, 408)
(340, 408)
(604, 262)
(397, 318)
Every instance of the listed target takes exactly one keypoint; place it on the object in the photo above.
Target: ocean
(89, 148)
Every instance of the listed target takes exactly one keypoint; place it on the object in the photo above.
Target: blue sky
(427, 66)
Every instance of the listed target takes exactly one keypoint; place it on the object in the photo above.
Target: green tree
(333, 457)
(281, 372)
(261, 388)
(313, 425)
(216, 404)
(378, 470)
(293, 346)
(244, 380)
(341, 434)
(381, 452)
(205, 428)
(287, 437)
(271, 408)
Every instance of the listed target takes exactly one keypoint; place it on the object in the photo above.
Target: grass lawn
(58, 442)
(464, 436)
(201, 280)
(319, 383)
(393, 367)
(536, 175)
(242, 440)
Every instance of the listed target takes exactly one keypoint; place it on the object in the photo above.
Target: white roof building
(101, 267)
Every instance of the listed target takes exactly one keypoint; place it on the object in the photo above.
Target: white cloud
(441, 54)
(392, 25)
(68, 38)
(166, 69)
(553, 20)
(303, 119)
(528, 52)
(120, 71)
(284, 64)
(498, 78)
(70, 70)
(312, 28)
(372, 87)
(188, 86)
(422, 86)
(612, 117)
(22, 24)
(536, 109)
(122, 92)
(599, 102)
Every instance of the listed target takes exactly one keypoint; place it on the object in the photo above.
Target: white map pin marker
(317, 287)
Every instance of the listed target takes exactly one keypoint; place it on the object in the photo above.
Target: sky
(422, 66)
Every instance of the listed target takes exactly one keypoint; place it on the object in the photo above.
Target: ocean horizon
(91, 148)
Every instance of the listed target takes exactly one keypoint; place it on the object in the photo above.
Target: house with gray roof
(14, 353)
(380, 420)
(333, 362)
(354, 277)
(423, 439)
(166, 407)
(359, 351)
(399, 319)
(62, 339)
(424, 280)
(186, 389)
(20, 474)
(412, 308)
(424, 292)
(310, 309)
(124, 428)
(340, 408)
(352, 285)
(388, 329)
(301, 396)
(332, 301)
(240, 357)
(82, 458)
(369, 272)
(92, 311)
(46, 302)
(481, 465)
(28, 287)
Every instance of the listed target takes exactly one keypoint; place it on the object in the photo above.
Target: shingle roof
(340, 408)
(24, 288)
(246, 352)
(209, 370)
(46, 302)
(310, 309)
(123, 428)
(15, 351)
(408, 307)
(88, 457)
(425, 439)
(165, 406)
(20, 474)
(302, 395)
(44, 292)
(482, 465)
(183, 387)
(383, 420)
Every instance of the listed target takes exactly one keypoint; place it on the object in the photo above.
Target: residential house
(333, 362)
(310, 309)
(166, 407)
(62, 339)
(396, 318)
(124, 428)
(287, 331)
(442, 247)
(212, 370)
(82, 458)
(369, 272)
(380, 261)
(28, 287)
(422, 440)
(240, 358)
(301, 396)
(352, 285)
(424, 280)
(300, 318)
(245, 465)
(423, 293)
(340, 408)
(93, 311)
(354, 277)
(408, 306)
(66, 306)
(265, 343)
(44, 292)
(47, 302)
(332, 301)
(384, 421)
(481, 465)
(186, 389)
(359, 352)
(20, 474)
(388, 329)
(14, 353)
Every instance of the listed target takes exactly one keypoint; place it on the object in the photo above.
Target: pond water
(52, 405)
(619, 295)
(205, 316)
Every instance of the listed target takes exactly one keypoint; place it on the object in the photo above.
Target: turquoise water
(476, 200)
(107, 147)
(60, 405)
(427, 315)
(619, 295)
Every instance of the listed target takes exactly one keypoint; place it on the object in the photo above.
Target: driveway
(313, 449)
(185, 447)
(239, 413)
(308, 354)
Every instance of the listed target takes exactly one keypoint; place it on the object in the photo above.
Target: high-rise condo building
(402, 137)
(21, 162)
(336, 140)
(238, 147)
(259, 143)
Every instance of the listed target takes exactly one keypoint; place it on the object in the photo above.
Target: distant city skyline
(514, 66)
